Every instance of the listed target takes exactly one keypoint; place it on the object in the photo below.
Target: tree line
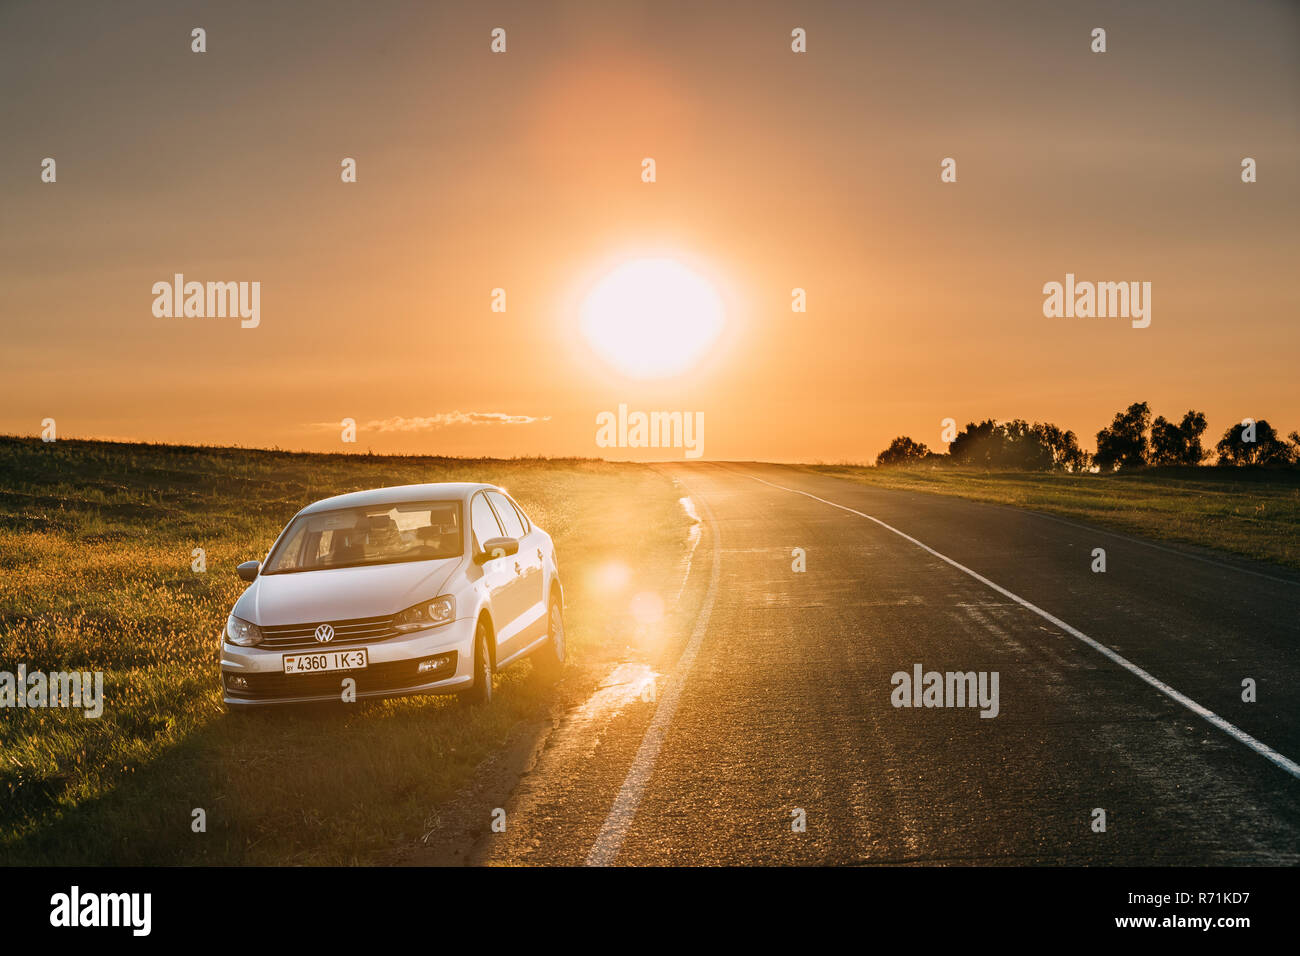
(1132, 440)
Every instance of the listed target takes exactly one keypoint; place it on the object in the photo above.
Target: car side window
(482, 520)
(509, 517)
(528, 525)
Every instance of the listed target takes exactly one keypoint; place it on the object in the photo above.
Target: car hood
(340, 594)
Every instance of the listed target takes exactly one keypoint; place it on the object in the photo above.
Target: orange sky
(522, 171)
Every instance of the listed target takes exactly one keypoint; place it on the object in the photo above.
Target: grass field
(96, 544)
(1251, 512)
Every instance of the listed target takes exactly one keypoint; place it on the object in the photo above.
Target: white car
(418, 589)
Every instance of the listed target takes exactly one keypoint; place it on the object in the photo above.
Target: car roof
(397, 494)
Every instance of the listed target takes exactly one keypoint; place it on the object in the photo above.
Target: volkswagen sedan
(418, 589)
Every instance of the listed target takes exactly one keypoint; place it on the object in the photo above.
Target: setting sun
(652, 318)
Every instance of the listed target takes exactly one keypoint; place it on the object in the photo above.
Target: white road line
(610, 839)
(1286, 763)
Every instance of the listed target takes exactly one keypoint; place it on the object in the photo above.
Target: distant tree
(902, 451)
(1166, 442)
(1124, 444)
(1022, 447)
(1268, 448)
(1063, 446)
(1017, 444)
(1178, 444)
(1293, 440)
(977, 444)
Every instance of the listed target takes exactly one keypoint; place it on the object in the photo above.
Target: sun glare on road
(647, 608)
(612, 577)
(652, 318)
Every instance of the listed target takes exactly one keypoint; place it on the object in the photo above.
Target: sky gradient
(523, 171)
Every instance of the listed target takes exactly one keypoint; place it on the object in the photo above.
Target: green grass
(95, 575)
(1250, 512)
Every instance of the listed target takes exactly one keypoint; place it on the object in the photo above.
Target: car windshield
(378, 534)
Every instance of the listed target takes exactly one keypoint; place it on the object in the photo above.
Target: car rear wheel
(549, 658)
(481, 691)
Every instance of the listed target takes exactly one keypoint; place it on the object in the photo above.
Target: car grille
(364, 630)
(391, 675)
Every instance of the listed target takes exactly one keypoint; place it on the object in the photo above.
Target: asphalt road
(774, 687)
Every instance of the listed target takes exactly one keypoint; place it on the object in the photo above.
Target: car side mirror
(248, 570)
(497, 548)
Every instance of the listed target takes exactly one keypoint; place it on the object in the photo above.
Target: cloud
(445, 419)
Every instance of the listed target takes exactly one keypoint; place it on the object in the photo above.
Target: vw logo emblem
(324, 633)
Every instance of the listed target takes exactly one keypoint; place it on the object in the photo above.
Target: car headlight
(241, 632)
(441, 610)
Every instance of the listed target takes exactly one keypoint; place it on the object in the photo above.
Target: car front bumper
(392, 669)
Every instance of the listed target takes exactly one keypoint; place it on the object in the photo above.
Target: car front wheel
(480, 693)
(549, 658)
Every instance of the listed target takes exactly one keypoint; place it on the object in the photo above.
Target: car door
(498, 575)
(530, 605)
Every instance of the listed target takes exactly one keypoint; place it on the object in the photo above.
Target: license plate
(319, 662)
